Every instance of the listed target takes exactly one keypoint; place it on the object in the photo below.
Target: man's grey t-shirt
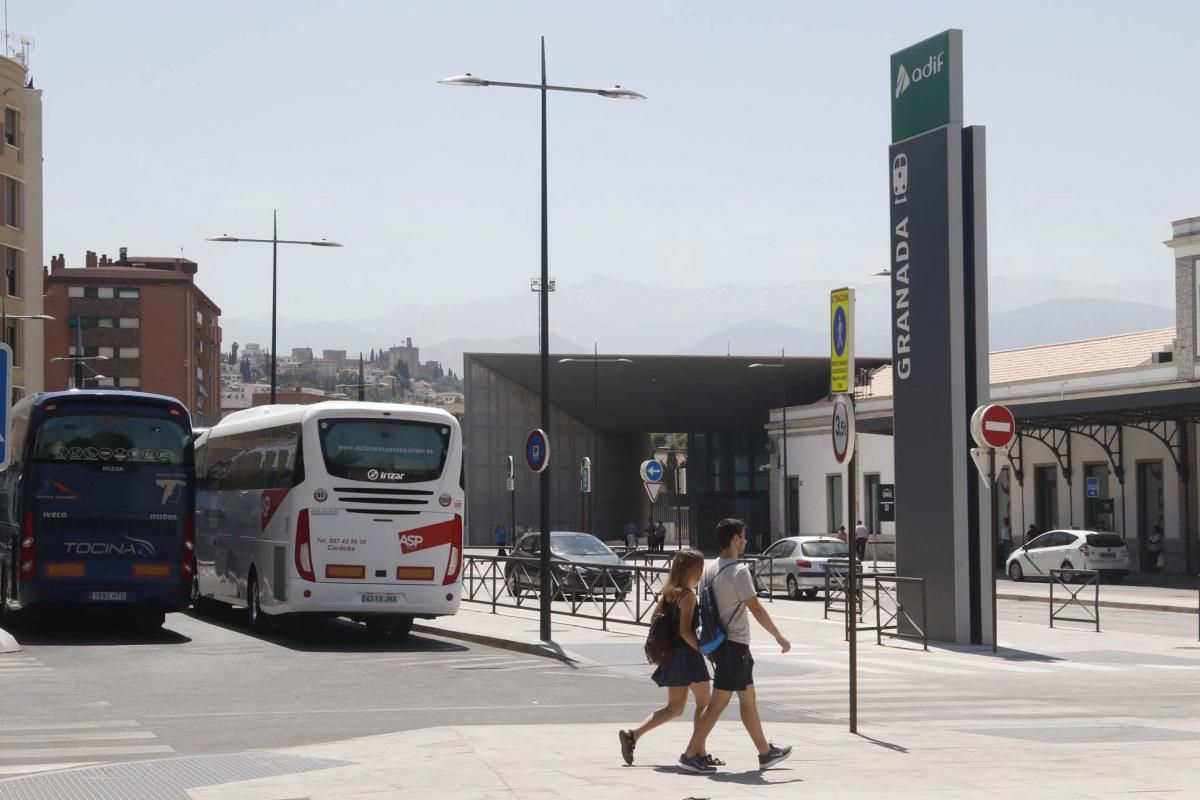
(734, 585)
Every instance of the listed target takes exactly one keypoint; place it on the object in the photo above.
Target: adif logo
(905, 79)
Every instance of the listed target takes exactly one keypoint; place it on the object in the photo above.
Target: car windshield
(579, 544)
(824, 549)
(1105, 540)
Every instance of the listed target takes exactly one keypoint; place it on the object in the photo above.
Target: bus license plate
(381, 598)
(107, 596)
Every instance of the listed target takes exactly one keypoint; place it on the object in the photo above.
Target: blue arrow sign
(652, 471)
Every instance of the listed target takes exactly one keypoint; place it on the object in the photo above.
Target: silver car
(797, 564)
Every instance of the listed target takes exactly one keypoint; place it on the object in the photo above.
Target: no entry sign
(993, 426)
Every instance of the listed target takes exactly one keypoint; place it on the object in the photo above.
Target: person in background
(841, 532)
(861, 534)
(1032, 533)
(651, 537)
(501, 536)
(1005, 543)
(661, 532)
(1155, 547)
(631, 535)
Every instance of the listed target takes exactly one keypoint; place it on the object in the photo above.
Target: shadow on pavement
(89, 627)
(751, 777)
(317, 635)
(895, 748)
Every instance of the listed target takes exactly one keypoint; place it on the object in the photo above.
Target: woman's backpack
(663, 635)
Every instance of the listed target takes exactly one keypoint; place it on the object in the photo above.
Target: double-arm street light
(787, 489)
(544, 289)
(274, 241)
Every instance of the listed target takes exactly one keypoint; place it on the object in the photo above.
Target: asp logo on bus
(130, 547)
(430, 536)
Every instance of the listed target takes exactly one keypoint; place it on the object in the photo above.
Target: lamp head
(463, 80)
(619, 93)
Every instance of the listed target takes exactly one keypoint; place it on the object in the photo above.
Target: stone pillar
(1185, 241)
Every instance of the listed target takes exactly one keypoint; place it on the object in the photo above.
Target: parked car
(1103, 552)
(568, 551)
(797, 564)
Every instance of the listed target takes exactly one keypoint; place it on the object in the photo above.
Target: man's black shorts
(734, 669)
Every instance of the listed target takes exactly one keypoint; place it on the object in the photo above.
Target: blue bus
(97, 506)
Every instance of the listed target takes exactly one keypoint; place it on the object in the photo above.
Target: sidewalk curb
(1107, 604)
(542, 649)
(7, 643)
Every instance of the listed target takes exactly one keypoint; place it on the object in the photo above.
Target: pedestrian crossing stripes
(33, 746)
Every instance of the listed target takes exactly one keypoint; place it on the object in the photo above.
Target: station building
(1120, 410)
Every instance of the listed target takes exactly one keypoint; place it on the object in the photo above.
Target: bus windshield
(99, 438)
(398, 451)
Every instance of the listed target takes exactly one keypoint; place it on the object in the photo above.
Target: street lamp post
(544, 289)
(274, 241)
(596, 362)
(787, 500)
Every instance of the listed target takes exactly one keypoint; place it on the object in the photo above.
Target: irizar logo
(905, 79)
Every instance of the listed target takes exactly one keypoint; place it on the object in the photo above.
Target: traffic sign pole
(995, 541)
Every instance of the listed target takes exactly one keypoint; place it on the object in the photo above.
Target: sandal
(712, 760)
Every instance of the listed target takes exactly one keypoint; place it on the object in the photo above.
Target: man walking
(861, 534)
(733, 588)
(631, 535)
(1005, 544)
(661, 533)
(501, 535)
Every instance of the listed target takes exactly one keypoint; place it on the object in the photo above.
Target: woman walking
(686, 670)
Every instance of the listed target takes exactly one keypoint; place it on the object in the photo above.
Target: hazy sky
(760, 156)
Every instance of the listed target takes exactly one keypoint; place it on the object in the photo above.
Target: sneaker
(695, 764)
(773, 756)
(627, 745)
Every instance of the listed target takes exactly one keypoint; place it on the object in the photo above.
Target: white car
(1104, 552)
(797, 564)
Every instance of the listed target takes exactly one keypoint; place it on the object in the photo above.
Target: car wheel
(514, 588)
(1015, 572)
(793, 588)
(394, 628)
(811, 594)
(619, 596)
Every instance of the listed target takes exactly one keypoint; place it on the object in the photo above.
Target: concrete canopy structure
(605, 407)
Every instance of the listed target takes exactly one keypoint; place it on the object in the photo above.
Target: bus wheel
(391, 627)
(5, 614)
(260, 622)
(148, 623)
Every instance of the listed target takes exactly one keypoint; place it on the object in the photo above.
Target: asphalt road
(82, 692)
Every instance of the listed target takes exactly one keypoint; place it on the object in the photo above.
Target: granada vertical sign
(934, 324)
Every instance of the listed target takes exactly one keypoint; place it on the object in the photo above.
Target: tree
(246, 372)
(233, 359)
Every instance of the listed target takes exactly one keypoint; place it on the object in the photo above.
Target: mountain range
(622, 317)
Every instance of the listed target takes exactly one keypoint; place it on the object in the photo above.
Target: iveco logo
(130, 547)
(905, 79)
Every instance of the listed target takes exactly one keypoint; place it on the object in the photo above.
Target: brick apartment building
(145, 315)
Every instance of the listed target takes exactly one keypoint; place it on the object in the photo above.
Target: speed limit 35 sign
(843, 429)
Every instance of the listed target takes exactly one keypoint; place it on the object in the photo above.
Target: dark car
(651, 581)
(572, 556)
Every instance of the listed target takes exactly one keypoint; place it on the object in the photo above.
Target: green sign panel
(926, 85)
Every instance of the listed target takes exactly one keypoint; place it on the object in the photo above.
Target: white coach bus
(336, 508)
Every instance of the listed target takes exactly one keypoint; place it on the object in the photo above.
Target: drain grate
(166, 779)
(1112, 734)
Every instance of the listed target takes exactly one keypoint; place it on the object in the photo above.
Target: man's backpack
(712, 627)
(663, 635)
